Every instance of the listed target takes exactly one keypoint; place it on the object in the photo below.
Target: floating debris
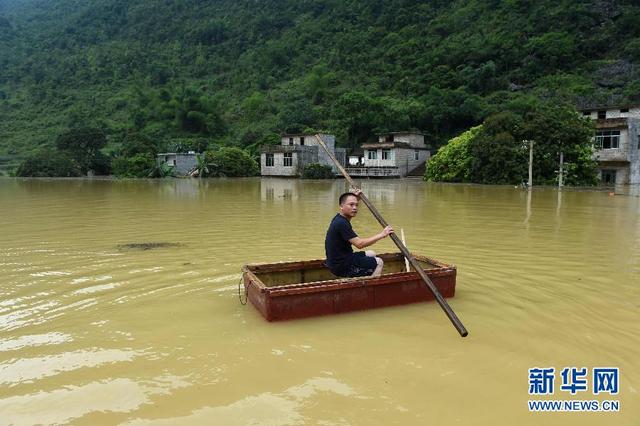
(147, 246)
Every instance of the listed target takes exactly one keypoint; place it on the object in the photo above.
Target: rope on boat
(246, 293)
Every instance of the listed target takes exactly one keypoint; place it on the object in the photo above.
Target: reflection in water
(93, 334)
(526, 219)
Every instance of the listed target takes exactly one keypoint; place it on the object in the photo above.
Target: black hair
(344, 196)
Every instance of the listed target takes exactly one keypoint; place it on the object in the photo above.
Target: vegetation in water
(317, 171)
(498, 150)
(231, 162)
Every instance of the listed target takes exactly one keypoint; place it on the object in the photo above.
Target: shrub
(231, 162)
(317, 171)
(48, 163)
(138, 166)
(452, 163)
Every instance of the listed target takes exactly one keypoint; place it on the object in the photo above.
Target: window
(608, 177)
(288, 159)
(268, 161)
(607, 139)
(290, 141)
(587, 113)
(302, 140)
(416, 154)
(624, 109)
(388, 138)
(373, 155)
(386, 154)
(602, 115)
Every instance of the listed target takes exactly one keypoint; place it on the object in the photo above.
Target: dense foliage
(498, 151)
(231, 162)
(83, 146)
(317, 171)
(136, 166)
(48, 163)
(452, 163)
(238, 72)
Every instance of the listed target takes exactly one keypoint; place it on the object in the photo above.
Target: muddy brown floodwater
(119, 305)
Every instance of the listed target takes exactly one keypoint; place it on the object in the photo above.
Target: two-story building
(296, 151)
(617, 143)
(395, 154)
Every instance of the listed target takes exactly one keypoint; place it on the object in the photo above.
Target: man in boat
(341, 260)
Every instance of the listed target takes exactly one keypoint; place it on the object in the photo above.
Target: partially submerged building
(617, 143)
(397, 154)
(296, 151)
(181, 162)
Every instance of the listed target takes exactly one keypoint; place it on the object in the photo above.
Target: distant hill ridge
(239, 72)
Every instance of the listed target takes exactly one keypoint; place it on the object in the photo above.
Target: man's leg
(378, 271)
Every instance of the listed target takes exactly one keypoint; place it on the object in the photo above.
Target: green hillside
(237, 72)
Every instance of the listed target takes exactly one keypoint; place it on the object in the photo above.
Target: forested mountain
(238, 72)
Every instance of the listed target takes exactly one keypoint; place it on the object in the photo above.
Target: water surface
(119, 304)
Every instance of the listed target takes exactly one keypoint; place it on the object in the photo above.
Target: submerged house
(617, 143)
(396, 154)
(182, 163)
(296, 151)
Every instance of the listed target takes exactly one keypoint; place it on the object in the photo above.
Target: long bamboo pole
(412, 260)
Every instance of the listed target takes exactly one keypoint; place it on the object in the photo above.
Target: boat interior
(287, 273)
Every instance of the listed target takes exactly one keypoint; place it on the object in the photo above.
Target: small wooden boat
(288, 290)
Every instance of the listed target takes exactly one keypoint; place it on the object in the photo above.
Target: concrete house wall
(182, 163)
(414, 139)
(624, 160)
(310, 152)
(403, 147)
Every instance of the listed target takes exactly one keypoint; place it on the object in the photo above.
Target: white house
(617, 143)
(395, 154)
(295, 151)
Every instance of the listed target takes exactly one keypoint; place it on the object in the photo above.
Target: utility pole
(530, 183)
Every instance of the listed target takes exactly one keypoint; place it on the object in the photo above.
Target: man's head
(348, 205)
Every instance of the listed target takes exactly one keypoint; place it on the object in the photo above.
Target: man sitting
(341, 260)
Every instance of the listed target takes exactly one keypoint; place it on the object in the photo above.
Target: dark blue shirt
(337, 246)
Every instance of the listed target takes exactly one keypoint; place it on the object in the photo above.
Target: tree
(317, 171)
(83, 145)
(452, 163)
(138, 143)
(137, 166)
(497, 151)
(560, 129)
(48, 163)
(231, 162)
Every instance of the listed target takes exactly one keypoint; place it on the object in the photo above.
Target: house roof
(609, 107)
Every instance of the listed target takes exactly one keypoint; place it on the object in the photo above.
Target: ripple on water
(282, 408)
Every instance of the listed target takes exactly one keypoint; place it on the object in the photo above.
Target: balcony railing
(373, 171)
(270, 149)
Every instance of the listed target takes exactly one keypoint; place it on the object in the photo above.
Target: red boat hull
(290, 290)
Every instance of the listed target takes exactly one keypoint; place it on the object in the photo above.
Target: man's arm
(366, 242)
